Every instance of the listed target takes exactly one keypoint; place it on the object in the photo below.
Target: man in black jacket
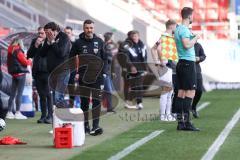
(200, 57)
(92, 69)
(40, 75)
(137, 55)
(57, 48)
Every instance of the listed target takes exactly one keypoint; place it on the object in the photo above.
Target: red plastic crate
(63, 137)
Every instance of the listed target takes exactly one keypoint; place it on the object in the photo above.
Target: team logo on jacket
(95, 50)
(85, 49)
(95, 44)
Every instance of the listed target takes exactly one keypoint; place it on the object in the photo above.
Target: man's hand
(197, 36)
(50, 36)
(133, 70)
(77, 77)
(144, 73)
(162, 64)
(187, 43)
(197, 59)
(38, 42)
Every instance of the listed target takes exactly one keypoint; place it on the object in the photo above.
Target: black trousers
(71, 82)
(136, 87)
(86, 91)
(41, 80)
(198, 93)
(175, 94)
(126, 86)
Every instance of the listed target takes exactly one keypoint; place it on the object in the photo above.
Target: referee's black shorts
(186, 75)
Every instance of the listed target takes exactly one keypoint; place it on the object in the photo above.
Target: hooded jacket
(137, 54)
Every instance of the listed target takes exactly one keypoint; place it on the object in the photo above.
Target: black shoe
(41, 120)
(190, 127)
(181, 126)
(195, 114)
(96, 131)
(87, 129)
(48, 121)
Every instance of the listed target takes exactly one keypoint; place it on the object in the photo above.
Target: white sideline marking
(134, 146)
(139, 143)
(202, 106)
(221, 138)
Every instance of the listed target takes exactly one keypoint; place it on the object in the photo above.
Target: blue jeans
(108, 87)
(62, 83)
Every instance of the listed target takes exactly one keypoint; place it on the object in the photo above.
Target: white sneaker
(140, 106)
(10, 115)
(170, 118)
(129, 105)
(18, 115)
(50, 132)
(163, 118)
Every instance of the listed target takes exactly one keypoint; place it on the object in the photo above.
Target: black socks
(187, 106)
(183, 107)
(179, 108)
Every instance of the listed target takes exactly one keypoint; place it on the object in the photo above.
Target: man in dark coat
(200, 57)
(56, 48)
(93, 69)
(40, 76)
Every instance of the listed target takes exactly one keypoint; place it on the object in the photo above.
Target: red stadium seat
(204, 11)
(211, 15)
(148, 4)
(212, 4)
(172, 4)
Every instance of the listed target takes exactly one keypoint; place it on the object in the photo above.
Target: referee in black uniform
(186, 70)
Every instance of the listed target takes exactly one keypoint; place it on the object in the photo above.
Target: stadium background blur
(217, 21)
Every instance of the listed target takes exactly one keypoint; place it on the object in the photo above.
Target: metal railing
(23, 10)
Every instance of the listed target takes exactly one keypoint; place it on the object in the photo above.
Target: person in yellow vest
(163, 51)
